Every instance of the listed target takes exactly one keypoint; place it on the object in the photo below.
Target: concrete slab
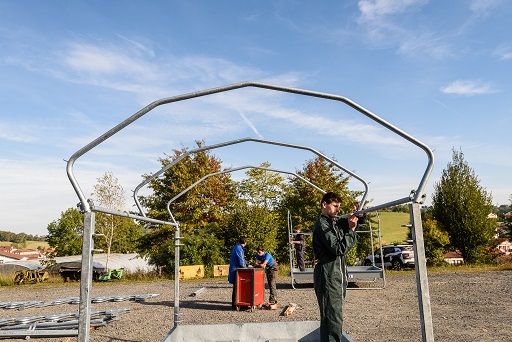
(306, 331)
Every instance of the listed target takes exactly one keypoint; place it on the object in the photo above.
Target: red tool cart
(250, 287)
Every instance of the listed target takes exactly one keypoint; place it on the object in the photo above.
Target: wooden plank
(193, 271)
(220, 270)
(290, 309)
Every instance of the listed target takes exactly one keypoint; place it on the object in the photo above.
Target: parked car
(395, 257)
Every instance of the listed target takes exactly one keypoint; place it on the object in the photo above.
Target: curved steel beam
(143, 111)
(238, 141)
(238, 169)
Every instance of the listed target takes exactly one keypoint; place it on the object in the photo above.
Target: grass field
(30, 244)
(391, 228)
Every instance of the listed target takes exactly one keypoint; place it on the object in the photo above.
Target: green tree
(254, 214)
(259, 224)
(158, 246)
(126, 235)
(196, 211)
(436, 242)
(303, 201)
(21, 239)
(108, 193)
(64, 234)
(204, 203)
(262, 188)
(7, 236)
(461, 206)
(508, 217)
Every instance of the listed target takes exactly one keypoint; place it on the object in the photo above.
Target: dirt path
(465, 307)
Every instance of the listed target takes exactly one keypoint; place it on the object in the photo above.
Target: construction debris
(289, 309)
(193, 294)
(53, 325)
(76, 300)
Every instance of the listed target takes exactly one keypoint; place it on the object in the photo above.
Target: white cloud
(504, 52)
(426, 42)
(96, 60)
(467, 87)
(385, 24)
(18, 132)
(377, 9)
(483, 6)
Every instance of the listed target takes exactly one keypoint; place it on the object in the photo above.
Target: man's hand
(352, 222)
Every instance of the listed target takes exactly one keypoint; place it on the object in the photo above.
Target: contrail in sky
(249, 123)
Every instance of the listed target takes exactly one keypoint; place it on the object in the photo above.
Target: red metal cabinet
(250, 287)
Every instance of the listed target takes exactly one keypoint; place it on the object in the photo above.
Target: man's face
(260, 253)
(331, 209)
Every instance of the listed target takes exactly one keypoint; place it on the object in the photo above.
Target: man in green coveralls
(332, 239)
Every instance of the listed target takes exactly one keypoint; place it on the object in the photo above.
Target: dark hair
(260, 248)
(330, 197)
(242, 240)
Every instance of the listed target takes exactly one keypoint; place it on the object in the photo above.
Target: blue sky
(71, 70)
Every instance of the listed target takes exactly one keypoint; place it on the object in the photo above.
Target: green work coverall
(331, 242)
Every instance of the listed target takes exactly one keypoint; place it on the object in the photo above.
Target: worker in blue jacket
(237, 260)
(265, 260)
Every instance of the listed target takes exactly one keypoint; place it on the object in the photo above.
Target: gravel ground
(465, 307)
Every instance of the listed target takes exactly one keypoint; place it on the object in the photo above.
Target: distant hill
(391, 228)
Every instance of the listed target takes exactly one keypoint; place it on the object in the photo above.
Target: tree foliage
(108, 193)
(262, 188)
(65, 234)
(461, 206)
(204, 203)
(303, 200)
(158, 246)
(259, 224)
(203, 247)
(436, 242)
(216, 212)
(196, 211)
(255, 213)
(19, 238)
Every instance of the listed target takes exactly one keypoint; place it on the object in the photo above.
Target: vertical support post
(427, 330)
(84, 318)
(177, 238)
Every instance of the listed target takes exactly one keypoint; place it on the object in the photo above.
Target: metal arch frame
(230, 170)
(153, 105)
(414, 199)
(177, 237)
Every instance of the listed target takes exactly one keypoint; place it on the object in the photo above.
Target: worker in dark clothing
(236, 261)
(265, 260)
(332, 239)
(298, 243)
